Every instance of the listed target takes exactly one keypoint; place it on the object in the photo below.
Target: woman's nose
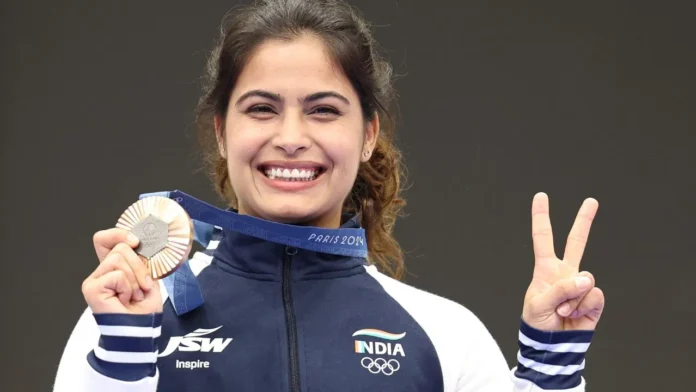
(292, 135)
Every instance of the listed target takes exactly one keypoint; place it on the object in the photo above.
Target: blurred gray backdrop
(498, 100)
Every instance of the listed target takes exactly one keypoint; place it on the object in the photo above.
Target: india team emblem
(375, 342)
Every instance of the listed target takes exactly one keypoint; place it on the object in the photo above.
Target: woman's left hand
(560, 297)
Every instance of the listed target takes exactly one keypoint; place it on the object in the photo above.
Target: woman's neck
(328, 221)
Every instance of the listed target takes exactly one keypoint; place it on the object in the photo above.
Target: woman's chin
(295, 214)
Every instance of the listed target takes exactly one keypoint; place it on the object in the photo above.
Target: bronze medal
(165, 232)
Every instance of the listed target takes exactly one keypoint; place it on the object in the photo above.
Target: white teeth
(291, 175)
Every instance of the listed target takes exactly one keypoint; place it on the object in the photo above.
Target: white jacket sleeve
(110, 353)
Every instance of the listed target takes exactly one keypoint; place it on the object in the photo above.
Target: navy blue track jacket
(278, 318)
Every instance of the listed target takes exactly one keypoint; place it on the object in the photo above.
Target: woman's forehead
(300, 66)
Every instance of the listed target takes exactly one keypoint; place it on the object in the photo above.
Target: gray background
(497, 101)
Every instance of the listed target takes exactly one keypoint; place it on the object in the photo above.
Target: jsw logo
(194, 342)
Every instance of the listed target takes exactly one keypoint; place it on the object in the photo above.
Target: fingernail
(575, 314)
(564, 309)
(139, 296)
(132, 238)
(148, 282)
(582, 282)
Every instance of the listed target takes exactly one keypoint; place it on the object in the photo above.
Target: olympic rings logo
(381, 365)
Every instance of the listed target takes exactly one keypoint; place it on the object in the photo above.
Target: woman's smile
(291, 175)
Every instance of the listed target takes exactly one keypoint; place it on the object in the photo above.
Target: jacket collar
(257, 258)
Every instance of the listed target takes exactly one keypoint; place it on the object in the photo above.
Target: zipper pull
(290, 250)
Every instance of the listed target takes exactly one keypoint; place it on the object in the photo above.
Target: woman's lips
(291, 176)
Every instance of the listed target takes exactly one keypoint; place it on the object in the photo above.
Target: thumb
(591, 306)
(568, 307)
(154, 288)
(152, 303)
(567, 290)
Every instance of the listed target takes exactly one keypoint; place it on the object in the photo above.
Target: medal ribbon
(182, 286)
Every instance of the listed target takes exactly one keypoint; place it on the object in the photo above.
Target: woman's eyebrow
(277, 98)
(259, 93)
(324, 94)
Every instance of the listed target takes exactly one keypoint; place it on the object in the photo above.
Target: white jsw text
(195, 342)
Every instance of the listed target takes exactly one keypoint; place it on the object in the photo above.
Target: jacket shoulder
(417, 300)
(461, 340)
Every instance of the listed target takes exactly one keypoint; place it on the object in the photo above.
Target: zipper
(290, 321)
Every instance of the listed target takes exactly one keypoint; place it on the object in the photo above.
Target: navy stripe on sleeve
(552, 358)
(126, 344)
(129, 320)
(556, 336)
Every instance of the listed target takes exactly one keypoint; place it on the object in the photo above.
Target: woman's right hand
(120, 284)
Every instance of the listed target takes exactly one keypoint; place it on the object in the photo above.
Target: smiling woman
(298, 93)
(295, 128)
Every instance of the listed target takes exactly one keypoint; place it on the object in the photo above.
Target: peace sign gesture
(560, 297)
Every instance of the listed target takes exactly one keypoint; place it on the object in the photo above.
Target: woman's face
(294, 134)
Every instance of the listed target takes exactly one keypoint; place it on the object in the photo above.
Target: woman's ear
(220, 135)
(371, 135)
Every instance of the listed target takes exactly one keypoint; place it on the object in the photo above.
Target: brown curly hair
(376, 193)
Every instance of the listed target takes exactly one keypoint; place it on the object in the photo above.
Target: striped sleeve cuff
(127, 348)
(552, 360)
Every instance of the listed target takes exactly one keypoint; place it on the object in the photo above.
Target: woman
(296, 115)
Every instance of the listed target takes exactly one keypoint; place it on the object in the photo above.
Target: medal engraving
(152, 234)
(165, 232)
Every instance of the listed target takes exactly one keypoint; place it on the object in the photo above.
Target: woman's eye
(325, 111)
(260, 109)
